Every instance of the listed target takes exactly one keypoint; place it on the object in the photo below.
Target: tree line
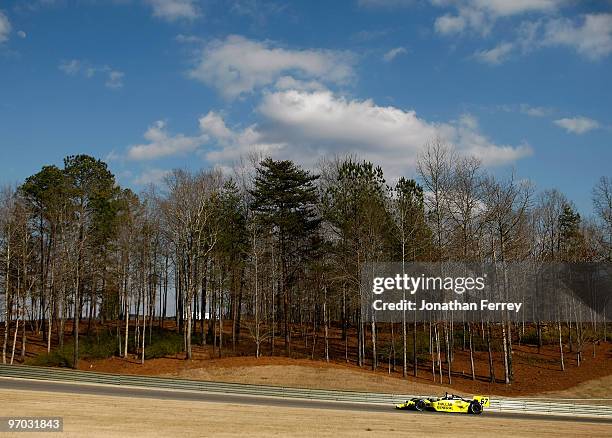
(272, 252)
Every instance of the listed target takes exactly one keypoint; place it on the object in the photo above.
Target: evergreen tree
(414, 238)
(355, 205)
(45, 193)
(92, 194)
(571, 240)
(284, 200)
(232, 247)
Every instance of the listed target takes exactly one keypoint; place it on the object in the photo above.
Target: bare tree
(507, 202)
(190, 213)
(6, 235)
(602, 201)
(468, 216)
(434, 167)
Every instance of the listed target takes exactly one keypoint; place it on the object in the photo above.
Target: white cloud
(321, 119)
(36, 5)
(449, 24)
(592, 37)
(467, 18)
(236, 65)
(173, 10)
(535, 111)
(112, 156)
(394, 53)
(162, 144)
(466, 135)
(369, 35)
(290, 83)
(74, 67)
(151, 176)
(304, 126)
(481, 15)
(214, 124)
(188, 39)
(496, 55)
(503, 8)
(71, 67)
(577, 125)
(5, 27)
(528, 37)
(115, 79)
(231, 145)
(259, 11)
(385, 3)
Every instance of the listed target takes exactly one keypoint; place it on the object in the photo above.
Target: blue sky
(149, 85)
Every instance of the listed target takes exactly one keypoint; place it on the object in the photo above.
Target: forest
(270, 254)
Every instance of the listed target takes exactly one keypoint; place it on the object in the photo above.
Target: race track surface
(117, 391)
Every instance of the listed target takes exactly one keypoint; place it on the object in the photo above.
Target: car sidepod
(458, 406)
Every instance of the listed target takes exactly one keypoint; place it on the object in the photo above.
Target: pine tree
(284, 200)
(414, 238)
(92, 193)
(355, 204)
(571, 241)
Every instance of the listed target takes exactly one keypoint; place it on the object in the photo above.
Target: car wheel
(475, 408)
(420, 405)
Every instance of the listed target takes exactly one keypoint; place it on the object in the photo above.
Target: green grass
(422, 346)
(104, 345)
(163, 344)
(56, 358)
(95, 346)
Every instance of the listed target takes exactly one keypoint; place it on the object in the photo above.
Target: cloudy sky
(149, 85)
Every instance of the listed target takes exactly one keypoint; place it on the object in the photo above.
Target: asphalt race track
(117, 391)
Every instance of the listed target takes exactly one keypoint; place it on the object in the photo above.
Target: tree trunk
(239, 306)
(220, 316)
(561, 348)
(75, 328)
(505, 346)
(23, 335)
(374, 353)
(471, 352)
(326, 326)
(188, 330)
(404, 344)
(448, 337)
(127, 324)
(7, 301)
(491, 365)
(144, 329)
(510, 352)
(414, 348)
(15, 339)
(51, 302)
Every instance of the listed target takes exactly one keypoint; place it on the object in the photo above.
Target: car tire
(419, 405)
(475, 408)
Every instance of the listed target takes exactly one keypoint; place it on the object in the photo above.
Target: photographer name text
(484, 305)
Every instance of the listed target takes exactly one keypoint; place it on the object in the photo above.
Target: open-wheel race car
(448, 403)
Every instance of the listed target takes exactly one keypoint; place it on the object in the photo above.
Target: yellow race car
(448, 403)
